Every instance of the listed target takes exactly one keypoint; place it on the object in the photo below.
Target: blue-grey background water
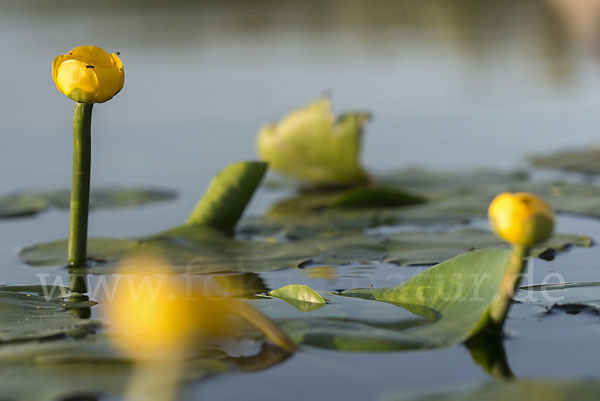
(452, 84)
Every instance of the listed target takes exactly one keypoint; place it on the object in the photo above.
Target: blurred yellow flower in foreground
(153, 312)
(521, 218)
(88, 74)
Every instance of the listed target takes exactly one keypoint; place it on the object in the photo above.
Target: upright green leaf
(228, 195)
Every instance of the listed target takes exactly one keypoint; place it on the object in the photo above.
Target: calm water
(452, 84)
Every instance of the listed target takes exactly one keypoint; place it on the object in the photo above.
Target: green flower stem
(80, 185)
(510, 284)
(264, 324)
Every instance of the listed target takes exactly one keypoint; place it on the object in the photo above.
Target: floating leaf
(25, 204)
(53, 370)
(452, 198)
(585, 161)
(37, 312)
(434, 183)
(452, 300)
(468, 200)
(203, 250)
(345, 310)
(413, 249)
(363, 197)
(571, 297)
(301, 297)
(21, 205)
(530, 390)
(313, 145)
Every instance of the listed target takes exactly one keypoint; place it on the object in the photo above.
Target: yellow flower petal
(88, 74)
(93, 55)
(77, 81)
(521, 218)
(148, 309)
(110, 83)
(155, 313)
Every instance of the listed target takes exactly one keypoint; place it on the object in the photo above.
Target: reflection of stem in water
(78, 284)
(155, 381)
(262, 323)
(77, 291)
(268, 357)
(488, 352)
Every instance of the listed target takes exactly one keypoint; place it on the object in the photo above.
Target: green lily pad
(198, 249)
(343, 311)
(22, 205)
(412, 248)
(30, 203)
(301, 297)
(434, 183)
(36, 312)
(570, 297)
(530, 390)
(456, 294)
(315, 146)
(364, 197)
(460, 198)
(91, 366)
(52, 370)
(586, 161)
(451, 198)
(308, 231)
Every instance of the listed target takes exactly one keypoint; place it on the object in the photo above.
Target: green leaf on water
(315, 146)
(53, 370)
(30, 203)
(459, 292)
(586, 161)
(305, 230)
(367, 197)
(530, 390)
(37, 312)
(203, 250)
(300, 296)
(22, 205)
(468, 195)
(572, 298)
(451, 198)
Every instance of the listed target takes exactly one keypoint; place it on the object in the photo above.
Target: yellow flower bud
(521, 218)
(154, 314)
(88, 74)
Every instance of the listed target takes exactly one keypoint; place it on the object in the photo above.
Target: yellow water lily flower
(155, 314)
(521, 218)
(88, 74)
